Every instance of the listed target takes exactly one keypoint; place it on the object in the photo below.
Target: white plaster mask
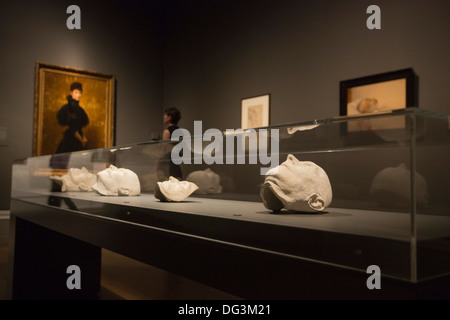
(117, 182)
(76, 180)
(296, 186)
(392, 186)
(208, 182)
(174, 190)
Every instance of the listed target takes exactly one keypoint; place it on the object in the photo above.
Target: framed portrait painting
(255, 112)
(73, 109)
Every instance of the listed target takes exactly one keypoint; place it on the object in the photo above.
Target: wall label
(74, 21)
(374, 21)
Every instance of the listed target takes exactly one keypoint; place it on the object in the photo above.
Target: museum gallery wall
(205, 58)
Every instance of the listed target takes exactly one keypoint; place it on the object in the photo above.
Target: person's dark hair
(76, 86)
(174, 114)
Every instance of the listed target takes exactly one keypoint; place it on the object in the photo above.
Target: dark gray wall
(299, 51)
(204, 56)
(117, 37)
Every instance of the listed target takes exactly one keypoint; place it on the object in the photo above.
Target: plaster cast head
(76, 180)
(392, 187)
(82, 177)
(174, 190)
(117, 182)
(296, 186)
(208, 182)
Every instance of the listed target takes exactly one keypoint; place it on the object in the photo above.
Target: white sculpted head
(208, 182)
(82, 178)
(174, 190)
(296, 186)
(117, 182)
(76, 180)
(392, 187)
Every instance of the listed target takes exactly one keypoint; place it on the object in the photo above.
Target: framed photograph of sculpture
(376, 94)
(73, 109)
(255, 112)
(379, 93)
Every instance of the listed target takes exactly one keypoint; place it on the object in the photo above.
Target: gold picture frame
(52, 88)
(255, 112)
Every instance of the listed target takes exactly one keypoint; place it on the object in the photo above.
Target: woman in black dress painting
(72, 116)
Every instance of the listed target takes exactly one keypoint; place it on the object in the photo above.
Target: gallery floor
(127, 279)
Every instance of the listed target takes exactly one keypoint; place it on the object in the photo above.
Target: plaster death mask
(208, 182)
(174, 190)
(76, 180)
(296, 186)
(392, 187)
(117, 182)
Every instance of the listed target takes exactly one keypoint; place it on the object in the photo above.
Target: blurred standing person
(171, 118)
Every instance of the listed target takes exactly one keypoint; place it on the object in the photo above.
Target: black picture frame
(408, 74)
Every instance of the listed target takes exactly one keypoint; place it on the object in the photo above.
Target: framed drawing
(379, 93)
(73, 109)
(255, 112)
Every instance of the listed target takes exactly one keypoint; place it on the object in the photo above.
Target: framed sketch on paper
(255, 112)
(73, 110)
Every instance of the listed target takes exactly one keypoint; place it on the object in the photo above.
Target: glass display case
(389, 175)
